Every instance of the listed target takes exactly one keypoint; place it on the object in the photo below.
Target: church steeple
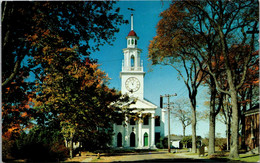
(132, 22)
(132, 73)
(132, 36)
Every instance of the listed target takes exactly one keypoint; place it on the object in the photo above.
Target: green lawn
(243, 157)
(249, 158)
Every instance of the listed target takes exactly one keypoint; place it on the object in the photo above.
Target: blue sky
(159, 80)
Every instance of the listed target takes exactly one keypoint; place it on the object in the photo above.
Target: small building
(176, 141)
(252, 128)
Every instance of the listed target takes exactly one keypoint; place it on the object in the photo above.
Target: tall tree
(167, 49)
(90, 24)
(182, 113)
(29, 29)
(75, 93)
(221, 27)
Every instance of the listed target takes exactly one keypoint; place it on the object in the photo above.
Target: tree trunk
(193, 126)
(228, 120)
(184, 131)
(234, 125)
(212, 124)
(212, 119)
(243, 139)
(71, 145)
(228, 132)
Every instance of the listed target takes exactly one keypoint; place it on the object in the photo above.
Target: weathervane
(131, 9)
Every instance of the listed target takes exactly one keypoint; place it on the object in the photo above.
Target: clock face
(132, 84)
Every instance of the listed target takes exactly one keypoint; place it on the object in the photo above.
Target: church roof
(132, 33)
(143, 104)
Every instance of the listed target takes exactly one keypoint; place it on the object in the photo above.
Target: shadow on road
(127, 154)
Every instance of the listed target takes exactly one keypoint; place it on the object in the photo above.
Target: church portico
(137, 132)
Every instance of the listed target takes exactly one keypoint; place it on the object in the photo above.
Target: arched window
(132, 139)
(119, 139)
(132, 41)
(128, 41)
(135, 42)
(145, 139)
(132, 61)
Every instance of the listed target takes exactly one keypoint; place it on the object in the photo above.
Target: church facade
(145, 131)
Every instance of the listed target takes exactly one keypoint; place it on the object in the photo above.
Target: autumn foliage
(46, 76)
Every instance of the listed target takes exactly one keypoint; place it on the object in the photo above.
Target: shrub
(59, 152)
(159, 145)
(221, 143)
(6, 148)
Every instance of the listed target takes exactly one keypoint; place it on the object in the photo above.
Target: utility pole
(168, 104)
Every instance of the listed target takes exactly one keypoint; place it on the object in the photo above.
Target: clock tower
(137, 133)
(132, 74)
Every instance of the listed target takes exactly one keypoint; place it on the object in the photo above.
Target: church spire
(132, 22)
(132, 32)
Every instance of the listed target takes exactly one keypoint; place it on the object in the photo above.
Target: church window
(157, 121)
(119, 120)
(119, 140)
(132, 121)
(132, 139)
(157, 137)
(132, 61)
(132, 41)
(135, 42)
(146, 120)
(128, 41)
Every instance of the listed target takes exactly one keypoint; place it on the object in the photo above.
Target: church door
(132, 139)
(119, 140)
(145, 139)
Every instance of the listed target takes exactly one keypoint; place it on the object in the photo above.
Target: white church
(145, 132)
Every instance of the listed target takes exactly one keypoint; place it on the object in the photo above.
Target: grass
(97, 160)
(248, 158)
(221, 155)
(242, 157)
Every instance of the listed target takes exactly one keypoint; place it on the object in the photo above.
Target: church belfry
(132, 74)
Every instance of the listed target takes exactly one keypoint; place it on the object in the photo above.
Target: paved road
(157, 156)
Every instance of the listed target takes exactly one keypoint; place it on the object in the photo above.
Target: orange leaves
(256, 82)
(46, 49)
(46, 33)
(65, 49)
(33, 37)
(24, 114)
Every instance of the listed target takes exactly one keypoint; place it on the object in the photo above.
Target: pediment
(143, 104)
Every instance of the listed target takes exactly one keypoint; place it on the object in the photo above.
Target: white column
(140, 132)
(152, 130)
(127, 133)
(123, 135)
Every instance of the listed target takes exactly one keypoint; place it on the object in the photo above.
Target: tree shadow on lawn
(253, 155)
(180, 160)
